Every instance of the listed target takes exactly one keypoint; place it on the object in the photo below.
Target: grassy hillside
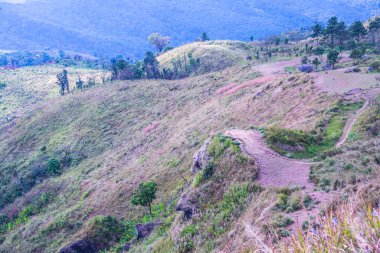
(206, 56)
(125, 25)
(109, 139)
(24, 87)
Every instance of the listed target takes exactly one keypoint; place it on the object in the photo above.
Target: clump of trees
(337, 36)
(124, 69)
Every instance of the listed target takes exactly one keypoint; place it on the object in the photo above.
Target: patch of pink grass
(151, 127)
(232, 88)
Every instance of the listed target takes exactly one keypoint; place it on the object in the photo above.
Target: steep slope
(122, 26)
(111, 138)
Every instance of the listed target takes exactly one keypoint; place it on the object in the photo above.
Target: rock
(201, 158)
(81, 246)
(127, 247)
(188, 204)
(144, 230)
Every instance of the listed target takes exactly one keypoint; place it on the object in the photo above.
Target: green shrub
(189, 230)
(295, 202)
(104, 230)
(289, 201)
(289, 137)
(2, 85)
(54, 167)
(308, 202)
(280, 221)
(173, 163)
(282, 201)
(375, 65)
(198, 179)
(208, 171)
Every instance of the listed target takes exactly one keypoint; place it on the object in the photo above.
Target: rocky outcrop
(188, 204)
(144, 230)
(201, 158)
(84, 245)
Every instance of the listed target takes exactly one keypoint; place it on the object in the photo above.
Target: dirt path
(351, 122)
(279, 171)
(275, 170)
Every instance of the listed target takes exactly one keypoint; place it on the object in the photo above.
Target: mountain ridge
(121, 27)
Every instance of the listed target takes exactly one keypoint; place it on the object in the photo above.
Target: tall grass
(349, 228)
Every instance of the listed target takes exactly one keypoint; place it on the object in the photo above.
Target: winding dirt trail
(275, 170)
(279, 171)
(351, 122)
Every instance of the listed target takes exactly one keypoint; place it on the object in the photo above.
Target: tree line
(336, 36)
(148, 68)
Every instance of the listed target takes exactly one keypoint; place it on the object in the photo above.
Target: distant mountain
(122, 26)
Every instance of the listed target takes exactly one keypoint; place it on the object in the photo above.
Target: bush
(2, 85)
(289, 137)
(208, 171)
(375, 66)
(54, 167)
(280, 221)
(306, 68)
(104, 230)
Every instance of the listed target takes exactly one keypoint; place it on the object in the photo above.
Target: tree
(373, 27)
(286, 41)
(330, 33)
(277, 41)
(304, 60)
(54, 167)
(204, 37)
(144, 195)
(317, 31)
(357, 30)
(63, 82)
(79, 83)
(160, 42)
(251, 38)
(357, 53)
(319, 51)
(316, 63)
(151, 66)
(91, 81)
(332, 57)
(341, 34)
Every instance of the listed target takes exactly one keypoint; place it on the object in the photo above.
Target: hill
(121, 27)
(108, 139)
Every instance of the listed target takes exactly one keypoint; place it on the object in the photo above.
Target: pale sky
(13, 1)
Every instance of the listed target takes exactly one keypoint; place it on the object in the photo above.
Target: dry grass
(30, 85)
(103, 130)
(213, 55)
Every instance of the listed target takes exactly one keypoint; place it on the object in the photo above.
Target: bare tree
(79, 83)
(63, 82)
(160, 42)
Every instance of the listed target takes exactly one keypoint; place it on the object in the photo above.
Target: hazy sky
(13, 1)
